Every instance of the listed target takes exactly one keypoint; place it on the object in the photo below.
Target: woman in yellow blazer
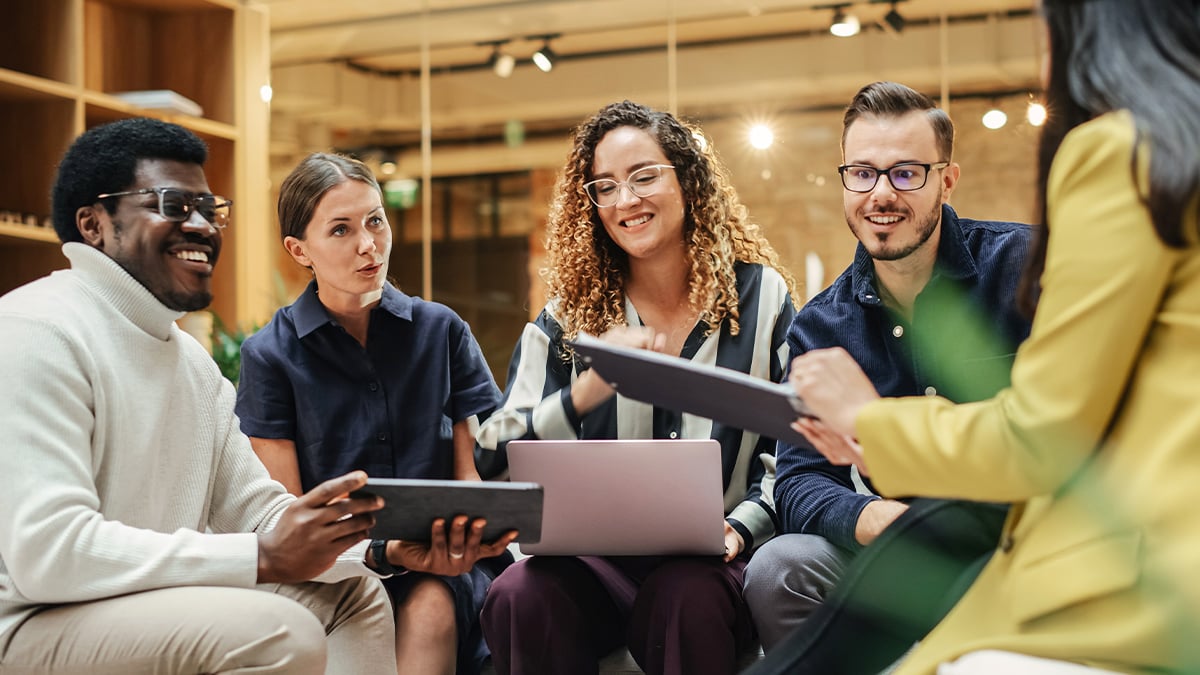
(1097, 441)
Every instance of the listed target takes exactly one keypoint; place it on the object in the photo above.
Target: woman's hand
(589, 389)
(448, 554)
(833, 386)
(733, 543)
(838, 448)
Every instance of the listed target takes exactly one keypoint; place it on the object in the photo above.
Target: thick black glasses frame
(888, 172)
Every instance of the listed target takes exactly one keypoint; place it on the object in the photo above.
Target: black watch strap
(379, 556)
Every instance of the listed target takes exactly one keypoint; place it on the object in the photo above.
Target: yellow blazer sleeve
(1106, 272)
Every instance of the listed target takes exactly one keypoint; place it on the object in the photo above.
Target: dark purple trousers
(546, 615)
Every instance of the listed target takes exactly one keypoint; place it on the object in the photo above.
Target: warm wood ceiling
(730, 52)
(388, 34)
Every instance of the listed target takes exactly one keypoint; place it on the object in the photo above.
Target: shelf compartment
(32, 36)
(133, 46)
(34, 133)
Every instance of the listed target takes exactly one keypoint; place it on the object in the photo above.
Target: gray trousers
(303, 629)
(787, 579)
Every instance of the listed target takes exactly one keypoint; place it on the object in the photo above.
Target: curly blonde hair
(586, 270)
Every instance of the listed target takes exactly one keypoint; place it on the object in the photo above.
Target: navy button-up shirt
(960, 344)
(388, 408)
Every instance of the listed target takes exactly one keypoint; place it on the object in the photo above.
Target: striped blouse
(537, 400)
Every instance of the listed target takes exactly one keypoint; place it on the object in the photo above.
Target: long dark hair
(1137, 55)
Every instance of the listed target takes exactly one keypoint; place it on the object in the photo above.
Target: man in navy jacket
(926, 308)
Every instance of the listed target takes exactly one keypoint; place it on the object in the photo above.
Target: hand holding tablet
(412, 505)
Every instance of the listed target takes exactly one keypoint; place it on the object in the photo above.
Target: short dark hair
(304, 187)
(892, 99)
(105, 158)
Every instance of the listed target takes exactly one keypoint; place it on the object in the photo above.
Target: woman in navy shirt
(357, 375)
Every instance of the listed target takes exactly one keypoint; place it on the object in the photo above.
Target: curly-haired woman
(648, 246)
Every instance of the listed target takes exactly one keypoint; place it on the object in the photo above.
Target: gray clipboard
(722, 394)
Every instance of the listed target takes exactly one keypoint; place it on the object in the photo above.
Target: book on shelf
(161, 99)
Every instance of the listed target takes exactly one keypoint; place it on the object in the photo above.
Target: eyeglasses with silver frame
(904, 177)
(644, 182)
(178, 205)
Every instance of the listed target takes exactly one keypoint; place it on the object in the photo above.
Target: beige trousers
(344, 628)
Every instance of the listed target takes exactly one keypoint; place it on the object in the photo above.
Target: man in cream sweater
(138, 531)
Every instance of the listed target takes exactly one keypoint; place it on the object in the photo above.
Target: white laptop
(645, 497)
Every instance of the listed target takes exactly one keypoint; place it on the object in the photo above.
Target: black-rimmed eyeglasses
(904, 177)
(644, 182)
(178, 205)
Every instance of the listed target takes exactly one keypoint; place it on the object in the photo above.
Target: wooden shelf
(12, 232)
(16, 85)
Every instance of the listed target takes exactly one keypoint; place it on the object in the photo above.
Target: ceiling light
(844, 25)
(761, 136)
(995, 118)
(503, 64)
(893, 20)
(1035, 114)
(544, 57)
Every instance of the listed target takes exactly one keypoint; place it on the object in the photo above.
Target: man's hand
(315, 529)
(448, 555)
(875, 518)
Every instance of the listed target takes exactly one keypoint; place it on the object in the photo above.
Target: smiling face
(174, 261)
(346, 244)
(892, 224)
(641, 226)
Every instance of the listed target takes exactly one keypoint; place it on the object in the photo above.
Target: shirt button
(1006, 543)
(930, 391)
(673, 435)
(898, 331)
(373, 386)
(381, 436)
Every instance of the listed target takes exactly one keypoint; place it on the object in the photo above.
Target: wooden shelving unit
(61, 64)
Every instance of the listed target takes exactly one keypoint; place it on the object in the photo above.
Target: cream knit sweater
(120, 448)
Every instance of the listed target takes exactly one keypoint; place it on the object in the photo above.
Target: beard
(157, 279)
(877, 245)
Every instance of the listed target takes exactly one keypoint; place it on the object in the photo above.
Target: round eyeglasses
(644, 182)
(178, 205)
(904, 177)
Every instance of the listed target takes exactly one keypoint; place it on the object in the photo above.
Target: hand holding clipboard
(722, 394)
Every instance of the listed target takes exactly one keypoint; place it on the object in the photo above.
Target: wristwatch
(378, 549)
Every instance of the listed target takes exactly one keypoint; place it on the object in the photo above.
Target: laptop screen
(625, 497)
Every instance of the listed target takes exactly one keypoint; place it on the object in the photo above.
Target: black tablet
(411, 506)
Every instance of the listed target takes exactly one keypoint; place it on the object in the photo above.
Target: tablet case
(411, 506)
(722, 394)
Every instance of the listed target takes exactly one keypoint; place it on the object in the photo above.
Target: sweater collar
(127, 295)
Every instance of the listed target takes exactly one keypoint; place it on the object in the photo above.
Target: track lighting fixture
(544, 57)
(844, 24)
(894, 20)
(501, 63)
